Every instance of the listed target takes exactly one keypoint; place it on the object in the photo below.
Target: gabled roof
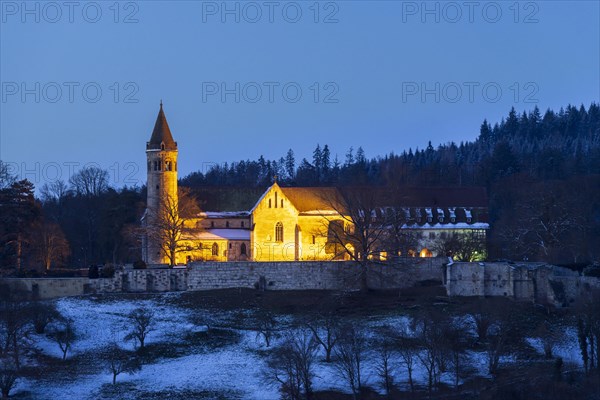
(307, 199)
(311, 198)
(161, 134)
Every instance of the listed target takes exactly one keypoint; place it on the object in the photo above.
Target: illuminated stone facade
(291, 224)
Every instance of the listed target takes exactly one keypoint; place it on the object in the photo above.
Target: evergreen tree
(290, 165)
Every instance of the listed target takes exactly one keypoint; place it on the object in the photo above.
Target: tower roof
(161, 134)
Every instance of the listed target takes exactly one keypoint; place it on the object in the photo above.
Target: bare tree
(120, 361)
(14, 322)
(588, 328)
(54, 191)
(63, 333)
(456, 340)
(89, 181)
(548, 219)
(166, 226)
(51, 245)
(482, 318)
(141, 321)
(430, 335)
(550, 336)
(42, 314)
(8, 375)
(498, 337)
(6, 177)
(359, 229)
(325, 325)
(350, 354)
(408, 351)
(291, 365)
(265, 326)
(385, 351)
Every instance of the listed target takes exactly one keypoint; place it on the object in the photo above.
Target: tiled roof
(161, 134)
(311, 198)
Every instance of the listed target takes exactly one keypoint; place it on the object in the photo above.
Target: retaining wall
(326, 275)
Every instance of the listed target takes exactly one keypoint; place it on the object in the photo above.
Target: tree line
(542, 173)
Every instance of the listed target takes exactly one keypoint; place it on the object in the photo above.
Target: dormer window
(452, 214)
(440, 213)
(468, 215)
(162, 146)
(429, 215)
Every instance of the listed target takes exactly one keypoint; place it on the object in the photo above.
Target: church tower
(161, 155)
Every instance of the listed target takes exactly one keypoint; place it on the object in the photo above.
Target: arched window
(243, 249)
(162, 146)
(215, 249)
(279, 232)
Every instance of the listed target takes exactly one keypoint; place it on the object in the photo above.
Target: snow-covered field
(234, 368)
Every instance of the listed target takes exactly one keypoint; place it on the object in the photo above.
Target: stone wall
(542, 283)
(325, 275)
(46, 288)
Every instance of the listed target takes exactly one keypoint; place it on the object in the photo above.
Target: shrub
(93, 272)
(592, 270)
(108, 271)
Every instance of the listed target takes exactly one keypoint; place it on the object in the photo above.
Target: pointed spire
(161, 135)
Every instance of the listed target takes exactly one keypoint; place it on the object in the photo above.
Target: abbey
(299, 223)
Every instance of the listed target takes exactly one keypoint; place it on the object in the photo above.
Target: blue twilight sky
(384, 75)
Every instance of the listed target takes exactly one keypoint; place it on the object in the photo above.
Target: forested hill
(553, 145)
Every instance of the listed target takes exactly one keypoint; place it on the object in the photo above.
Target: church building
(287, 223)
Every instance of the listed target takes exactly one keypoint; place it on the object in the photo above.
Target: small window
(275, 199)
(162, 146)
(314, 239)
(243, 249)
(212, 224)
(215, 249)
(279, 232)
(269, 203)
(157, 187)
(227, 224)
(242, 224)
(281, 203)
(230, 245)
